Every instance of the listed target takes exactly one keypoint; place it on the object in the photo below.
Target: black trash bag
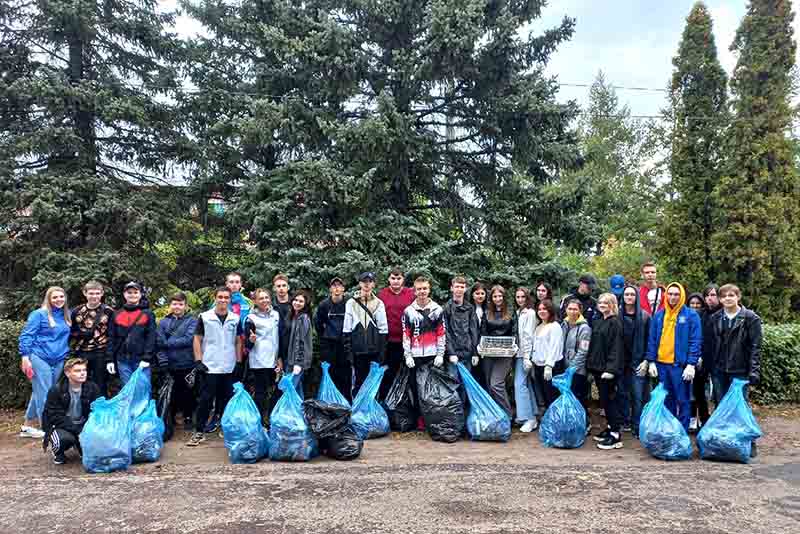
(344, 445)
(325, 419)
(400, 404)
(440, 403)
(164, 406)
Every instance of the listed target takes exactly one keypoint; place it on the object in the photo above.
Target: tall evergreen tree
(758, 238)
(697, 114)
(364, 134)
(90, 128)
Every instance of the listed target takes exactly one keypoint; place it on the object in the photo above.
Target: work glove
(143, 364)
(410, 362)
(200, 367)
(527, 364)
(438, 361)
(548, 373)
(699, 365)
(112, 370)
(478, 349)
(642, 369)
(688, 373)
(27, 367)
(475, 360)
(607, 376)
(296, 370)
(453, 359)
(653, 370)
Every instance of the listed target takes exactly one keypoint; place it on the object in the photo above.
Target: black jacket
(737, 350)
(588, 302)
(132, 334)
(57, 405)
(462, 331)
(329, 319)
(606, 350)
(498, 326)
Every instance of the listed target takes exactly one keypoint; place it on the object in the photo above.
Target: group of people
(621, 340)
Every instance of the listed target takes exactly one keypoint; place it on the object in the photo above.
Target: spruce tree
(757, 238)
(697, 114)
(85, 149)
(364, 134)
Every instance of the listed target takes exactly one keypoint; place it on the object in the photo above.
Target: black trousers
(609, 400)
(96, 370)
(217, 388)
(62, 440)
(361, 369)
(332, 351)
(183, 399)
(264, 385)
(699, 407)
(548, 391)
(580, 388)
(394, 361)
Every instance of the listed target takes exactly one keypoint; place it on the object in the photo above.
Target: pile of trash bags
(564, 423)
(368, 419)
(290, 438)
(731, 430)
(486, 420)
(246, 438)
(330, 424)
(400, 404)
(439, 403)
(124, 429)
(660, 432)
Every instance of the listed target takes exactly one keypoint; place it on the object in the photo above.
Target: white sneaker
(693, 424)
(529, 426)
(30, 432)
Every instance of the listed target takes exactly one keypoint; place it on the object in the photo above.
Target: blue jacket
(688, 336)
(40, 339)
(174, 339)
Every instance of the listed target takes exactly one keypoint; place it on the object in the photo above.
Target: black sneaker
(59, 458)
(602, 435)
(612, 441)
(212, 426)
(627, 428)
(753, 450)
(187, 422)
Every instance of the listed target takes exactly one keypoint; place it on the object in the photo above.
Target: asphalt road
(409, 484)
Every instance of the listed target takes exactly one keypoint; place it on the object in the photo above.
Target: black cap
(336, 280)
(132, 285)
(368, 276)
(588, 279)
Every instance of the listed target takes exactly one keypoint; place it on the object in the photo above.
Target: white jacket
(526, 326)
(548, 344)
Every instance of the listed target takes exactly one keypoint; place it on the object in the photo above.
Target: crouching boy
(67, 409)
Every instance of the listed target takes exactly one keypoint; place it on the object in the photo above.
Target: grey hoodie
(576, 344)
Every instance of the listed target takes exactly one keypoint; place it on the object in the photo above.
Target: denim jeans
(524, 393)
(125, 369)
(45, 376)
(625, 392)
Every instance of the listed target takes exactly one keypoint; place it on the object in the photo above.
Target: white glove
(144, 365)
(454, 359)
(653, 370)
(438, 361)
(478, 349)
(548, 373)
(527, 364)
(410, 362)
(699, 365)
(688, 373)
(642, 369)
(475, 361)
(296, 370)
(607, 376)
(111, 369)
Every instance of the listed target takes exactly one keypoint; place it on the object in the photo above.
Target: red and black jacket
(132, 334)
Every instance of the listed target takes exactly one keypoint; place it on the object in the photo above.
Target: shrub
(780, 365)
(15, 390)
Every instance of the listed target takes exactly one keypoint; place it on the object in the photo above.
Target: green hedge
(780, 366)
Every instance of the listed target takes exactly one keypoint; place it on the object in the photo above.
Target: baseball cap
(617, 283)
(368, 276)
(132, 285)
(335, 280)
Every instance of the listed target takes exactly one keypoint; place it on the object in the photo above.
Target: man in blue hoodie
(174, 339)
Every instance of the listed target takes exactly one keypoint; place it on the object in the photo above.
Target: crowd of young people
(622, 341)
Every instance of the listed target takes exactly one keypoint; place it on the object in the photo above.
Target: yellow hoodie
(666, 347)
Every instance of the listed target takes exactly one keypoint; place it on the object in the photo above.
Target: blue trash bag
(369, 419)
(106, 437)
(246, 438)
(328, 391)
(486, 420)
(136, 393)
(290, 438)
(147, 435)
(660, 432)
(732, 428)
(564, 423)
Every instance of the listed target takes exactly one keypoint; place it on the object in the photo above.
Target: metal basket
(498, 346)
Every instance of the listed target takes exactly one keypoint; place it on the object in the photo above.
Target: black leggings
(216, 387)
(264, 382)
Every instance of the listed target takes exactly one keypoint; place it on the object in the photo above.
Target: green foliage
(757, 238)
(625, 258)
(698, 116)
(780, 365)
(15, 390)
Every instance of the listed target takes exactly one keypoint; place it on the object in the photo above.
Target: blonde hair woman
(605, 361)
(43, 345)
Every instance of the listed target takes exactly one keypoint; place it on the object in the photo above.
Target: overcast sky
(632, 41)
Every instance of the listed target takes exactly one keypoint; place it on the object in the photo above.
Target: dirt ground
(407, 483)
